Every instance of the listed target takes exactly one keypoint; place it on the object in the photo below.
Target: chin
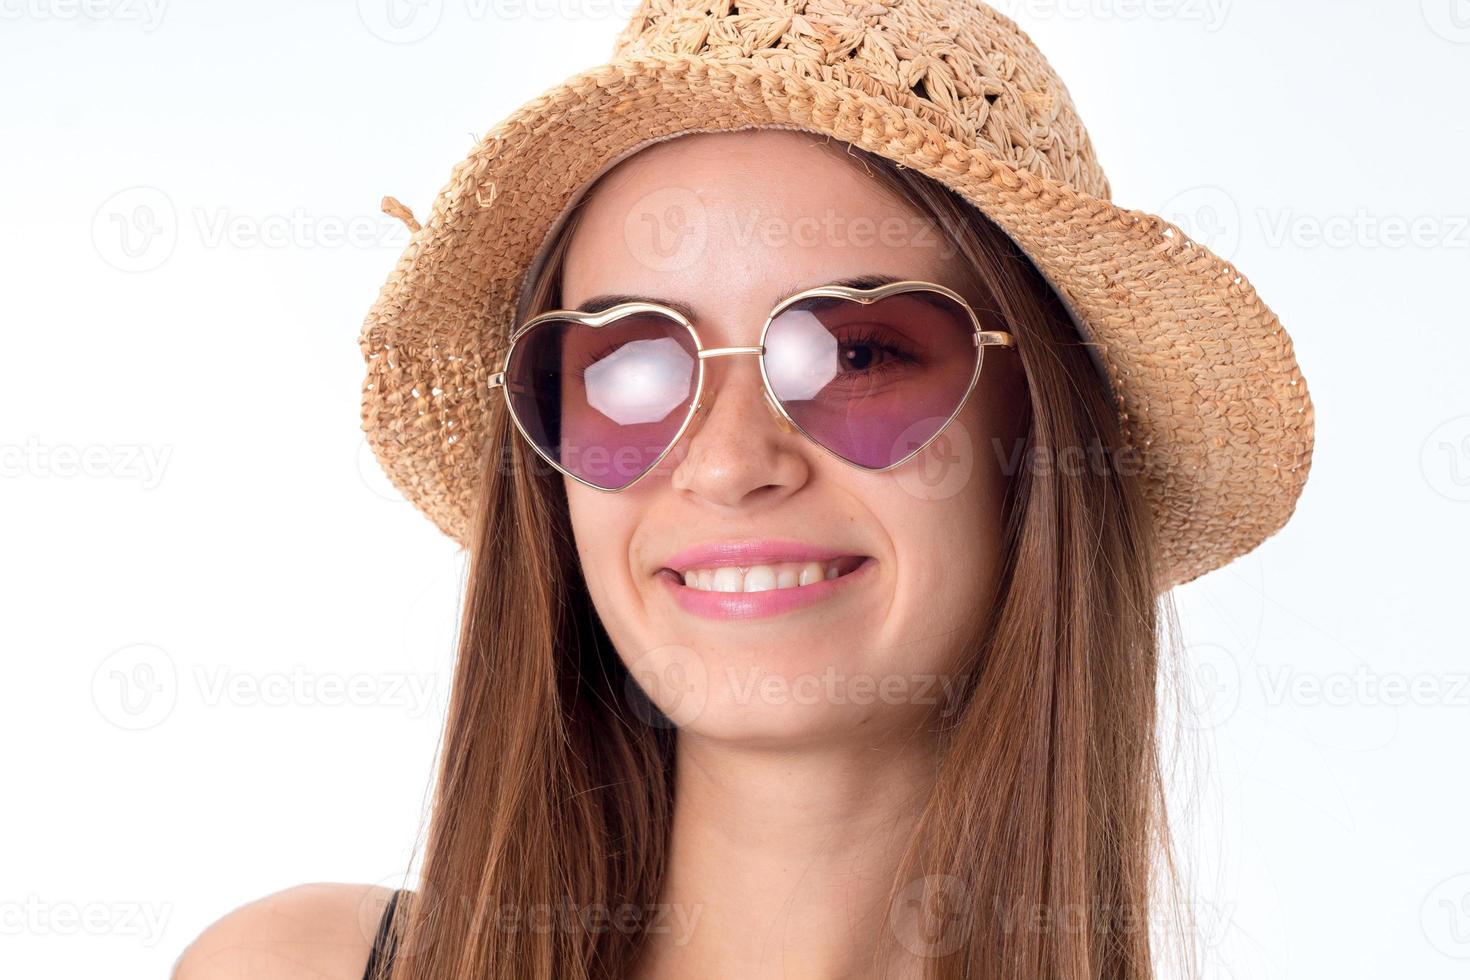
(775, 726)
(789, 710)
(791, 694)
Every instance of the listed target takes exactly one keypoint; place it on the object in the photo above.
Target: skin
(793, 805)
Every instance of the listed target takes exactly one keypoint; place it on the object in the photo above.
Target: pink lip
(759, 552)
(756, 605)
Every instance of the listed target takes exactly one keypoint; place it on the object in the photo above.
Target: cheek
(601, 527)
(947, 526)
(948, 554)
(604, 528)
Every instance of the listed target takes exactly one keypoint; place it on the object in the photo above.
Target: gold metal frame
(983, 338)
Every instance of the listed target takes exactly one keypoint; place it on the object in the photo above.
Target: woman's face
(727, 224)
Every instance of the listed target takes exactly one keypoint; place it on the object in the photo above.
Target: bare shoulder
(317, 931)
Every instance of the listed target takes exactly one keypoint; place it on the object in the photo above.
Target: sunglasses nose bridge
(775, 409)
(710, 352)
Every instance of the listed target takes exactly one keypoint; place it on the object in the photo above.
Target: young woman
(819, 521)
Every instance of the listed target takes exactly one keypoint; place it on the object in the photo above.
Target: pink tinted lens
(604, 403)
(872, 382)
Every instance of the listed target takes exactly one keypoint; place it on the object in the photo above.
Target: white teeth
(760, 578)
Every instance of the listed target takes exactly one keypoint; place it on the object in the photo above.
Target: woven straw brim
(1213, 405)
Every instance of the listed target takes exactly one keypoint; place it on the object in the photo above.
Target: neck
(781, 860)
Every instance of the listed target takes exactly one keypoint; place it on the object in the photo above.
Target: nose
(707, 354)
(733, 454)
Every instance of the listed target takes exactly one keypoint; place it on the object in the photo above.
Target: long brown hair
(1044, 834)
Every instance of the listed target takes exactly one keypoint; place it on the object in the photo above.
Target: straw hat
(1213, 405)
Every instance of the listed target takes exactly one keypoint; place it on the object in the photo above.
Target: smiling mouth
(765, 577)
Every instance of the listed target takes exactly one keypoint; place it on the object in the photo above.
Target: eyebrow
(608, 300)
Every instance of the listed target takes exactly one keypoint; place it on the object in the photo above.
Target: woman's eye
(861, 357)
(871, 351)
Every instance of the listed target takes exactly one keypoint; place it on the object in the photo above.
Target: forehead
(720, 219)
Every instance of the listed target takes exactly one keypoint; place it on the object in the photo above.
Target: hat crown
(959, 64)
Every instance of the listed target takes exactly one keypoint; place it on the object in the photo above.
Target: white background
(197, 543)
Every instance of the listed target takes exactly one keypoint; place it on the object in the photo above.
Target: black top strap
(385, 943)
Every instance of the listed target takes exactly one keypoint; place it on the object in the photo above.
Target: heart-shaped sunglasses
(872, 376)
